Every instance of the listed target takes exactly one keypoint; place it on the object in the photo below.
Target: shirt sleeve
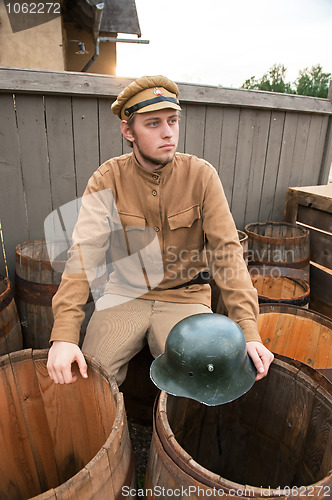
(87, 254)
(226, 262)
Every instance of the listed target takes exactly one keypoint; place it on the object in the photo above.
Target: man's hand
(261, 356)
(60, 358)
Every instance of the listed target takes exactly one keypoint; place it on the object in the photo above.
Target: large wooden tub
(61, 441)
(273, 442)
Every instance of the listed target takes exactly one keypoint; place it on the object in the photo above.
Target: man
(163, 219)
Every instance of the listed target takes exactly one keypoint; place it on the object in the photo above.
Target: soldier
(163, 220)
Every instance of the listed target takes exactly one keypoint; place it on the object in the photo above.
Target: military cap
(148, 93)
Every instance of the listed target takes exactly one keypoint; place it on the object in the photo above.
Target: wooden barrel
(10, 327)
(299, 333)
(243, 237)
(61, 441)
(36, 282)
(279, 245)
(281, 289)
(273, 442)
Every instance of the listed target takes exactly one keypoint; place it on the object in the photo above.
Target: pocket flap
(130, 221)
(186, 218)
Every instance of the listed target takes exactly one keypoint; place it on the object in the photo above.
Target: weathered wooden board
(110, 137)
(312, 150)
(257, 166)
(274, 146)
(13, 217)
(242, 164)
(34, 160)
(311, 208)
(320, 289)
(213, 135)
(285, 163)
(182, 134)
(195, 130)
(315, 197)
(62, 82)
(229, 141)
(321, 249)
(301, 140)
(86, 139)
(59, 132)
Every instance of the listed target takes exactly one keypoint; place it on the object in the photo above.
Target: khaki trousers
(120, 327)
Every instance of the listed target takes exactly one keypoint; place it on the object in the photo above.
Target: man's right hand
(60, 358)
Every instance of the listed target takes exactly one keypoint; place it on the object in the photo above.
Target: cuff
(66, 332)
(249, 328)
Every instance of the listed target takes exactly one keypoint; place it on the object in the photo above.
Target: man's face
(155, 137)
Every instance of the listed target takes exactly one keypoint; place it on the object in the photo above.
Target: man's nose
(167, 130)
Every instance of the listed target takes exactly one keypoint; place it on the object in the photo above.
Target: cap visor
(159, 105)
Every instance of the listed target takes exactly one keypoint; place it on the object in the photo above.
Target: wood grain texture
(110, 137)
(269, 439)
(229, 142)
(10, 326)
(41, 81)
(86, 139)
(33, 150)
(298, 333)
(59, 130)
(13, 219)
(61, 442)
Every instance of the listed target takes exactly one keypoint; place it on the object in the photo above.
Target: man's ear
(126, 131)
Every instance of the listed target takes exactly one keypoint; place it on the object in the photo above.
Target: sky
(225, 42)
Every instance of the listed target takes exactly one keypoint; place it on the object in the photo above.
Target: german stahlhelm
(205, 359)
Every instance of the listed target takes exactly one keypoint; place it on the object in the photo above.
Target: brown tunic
(158, 229)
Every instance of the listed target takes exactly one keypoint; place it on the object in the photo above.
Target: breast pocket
(137, 247)
(129, 234)
(186, 229)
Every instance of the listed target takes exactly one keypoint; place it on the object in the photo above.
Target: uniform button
(154, 192)
(157, 229)
(155, 177)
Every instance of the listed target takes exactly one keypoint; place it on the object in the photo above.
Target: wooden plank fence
(56, 128)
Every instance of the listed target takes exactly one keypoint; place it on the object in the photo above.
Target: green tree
(313, 82)
(272, 81)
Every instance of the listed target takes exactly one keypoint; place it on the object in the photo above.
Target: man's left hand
(261, 356)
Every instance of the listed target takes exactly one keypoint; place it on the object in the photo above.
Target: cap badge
(157, 92)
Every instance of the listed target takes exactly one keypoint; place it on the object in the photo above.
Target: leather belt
(201, 278)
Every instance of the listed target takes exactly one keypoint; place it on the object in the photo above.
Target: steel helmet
(205, 359)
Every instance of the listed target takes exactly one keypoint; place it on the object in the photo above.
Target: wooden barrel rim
(7, 295)
(301, 297)
(282, 239)
(297, 311)
(22, 257)
(242, 235)
(208, 478)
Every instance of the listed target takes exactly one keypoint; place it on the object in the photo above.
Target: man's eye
(152, 124)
